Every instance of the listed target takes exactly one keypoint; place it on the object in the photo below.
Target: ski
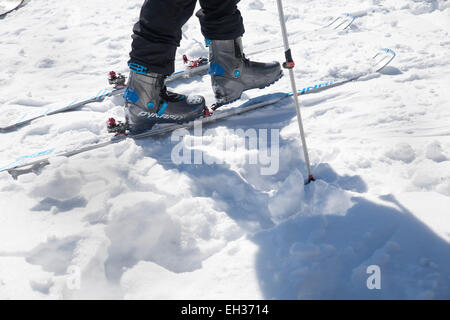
(340, 23)
(194, 67)
(37, 160)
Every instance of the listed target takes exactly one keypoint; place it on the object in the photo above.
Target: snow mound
(434, 152)
(256, 5)
(402, 152)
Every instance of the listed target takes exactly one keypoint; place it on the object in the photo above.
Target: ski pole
(289, 64)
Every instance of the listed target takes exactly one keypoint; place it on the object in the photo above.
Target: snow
(402, 152)
(138, 226)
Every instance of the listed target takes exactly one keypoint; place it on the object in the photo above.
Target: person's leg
(155, 40)
(220, 19)
(231, 73)
(158, 33)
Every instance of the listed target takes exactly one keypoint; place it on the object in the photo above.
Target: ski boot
(147, 102)
(232, 73)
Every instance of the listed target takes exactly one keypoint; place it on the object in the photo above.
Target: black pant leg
(220, 19)
(157, 34)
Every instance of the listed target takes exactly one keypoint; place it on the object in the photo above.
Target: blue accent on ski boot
(162, 109)
(216, 69)
(131, 95)
(137, 68)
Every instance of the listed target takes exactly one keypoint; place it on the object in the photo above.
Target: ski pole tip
(310, 179)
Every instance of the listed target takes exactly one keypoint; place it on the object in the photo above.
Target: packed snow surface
(125, 221)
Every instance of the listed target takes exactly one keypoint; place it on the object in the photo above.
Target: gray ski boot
(147, 102)
(232, 73)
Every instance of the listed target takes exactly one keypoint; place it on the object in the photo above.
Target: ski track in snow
(139, 226)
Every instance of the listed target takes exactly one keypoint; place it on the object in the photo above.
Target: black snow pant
(158, 33)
